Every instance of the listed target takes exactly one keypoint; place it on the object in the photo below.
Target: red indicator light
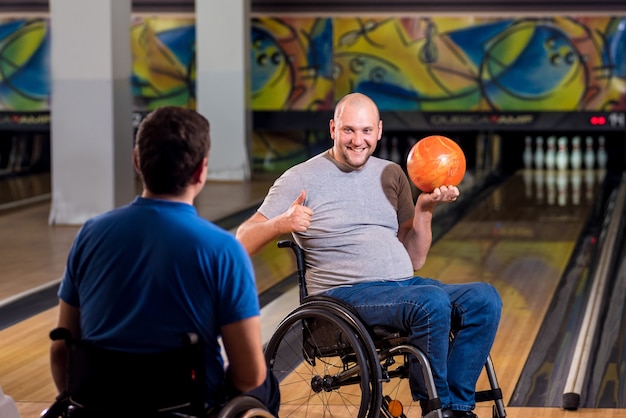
(597, 120)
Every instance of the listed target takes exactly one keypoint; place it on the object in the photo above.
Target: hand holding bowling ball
(435, 161)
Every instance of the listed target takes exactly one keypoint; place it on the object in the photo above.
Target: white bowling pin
(411, 142)
(576, 156)
(539, 182)
(528, 182)
(576, 182)
(384, 152)
(539, 153)
(551, 187)
(550, 152)
(590, 179)
(468, 182)
(527, 156)
(561, 187)
(602, 155)
(590, 156)
(561, 154)
(394, 155)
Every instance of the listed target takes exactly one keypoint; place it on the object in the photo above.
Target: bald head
(355, 129)
(356, 100)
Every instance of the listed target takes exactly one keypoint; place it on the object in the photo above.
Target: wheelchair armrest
(297, 250)
(300, 264)
(60, 334)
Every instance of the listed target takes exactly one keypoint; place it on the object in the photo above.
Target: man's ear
(136, 160)
(198, 172)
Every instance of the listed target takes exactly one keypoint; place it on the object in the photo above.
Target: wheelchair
(106, 383)
(330, 364)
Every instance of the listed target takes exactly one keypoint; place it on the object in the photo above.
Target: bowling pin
(539, 182)
(468, 182)
(576, 182)
(528, 152)
(394, 155)
(561, 187)
(602, 155)
(539, 153)
(576, 156)
(384, 153)
(561, 154)
(590, 156)
(589, 184)
(550, 152)
(411, 141)
(551, 187)
(528, 182)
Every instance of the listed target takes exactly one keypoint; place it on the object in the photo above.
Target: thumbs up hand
(298, 217)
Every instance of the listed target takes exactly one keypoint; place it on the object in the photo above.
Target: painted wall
(415, 63)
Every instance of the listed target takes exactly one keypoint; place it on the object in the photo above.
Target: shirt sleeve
(237, 285)
(68, 290)
(406, 207)
(281, 195)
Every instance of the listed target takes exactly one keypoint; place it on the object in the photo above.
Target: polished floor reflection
(519, 237)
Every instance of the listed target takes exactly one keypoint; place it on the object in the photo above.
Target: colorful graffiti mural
(163, 59)
(415, 63)
(24, 64)
(163, 63)
(291, 64)
(465, 63)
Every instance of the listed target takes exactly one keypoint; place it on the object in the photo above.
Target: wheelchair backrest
(101, 380)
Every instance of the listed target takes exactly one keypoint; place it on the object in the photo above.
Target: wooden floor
(34, 253)
(516, 239)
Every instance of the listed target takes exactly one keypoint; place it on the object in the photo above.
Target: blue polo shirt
(146, 273)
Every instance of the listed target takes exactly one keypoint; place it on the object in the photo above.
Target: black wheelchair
(330, 364)
(106, 383)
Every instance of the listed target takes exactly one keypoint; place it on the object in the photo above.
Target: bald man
(364, 238)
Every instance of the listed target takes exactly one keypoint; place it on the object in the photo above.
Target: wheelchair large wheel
(321, 365)
(244, 406)
(394, 357)
(346, 312)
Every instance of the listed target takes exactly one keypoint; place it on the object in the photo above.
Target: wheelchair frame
(174, 387)
(337, 366)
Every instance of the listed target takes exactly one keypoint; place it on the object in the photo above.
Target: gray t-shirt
(353, 236)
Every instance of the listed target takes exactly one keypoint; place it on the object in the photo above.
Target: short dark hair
(171, 143)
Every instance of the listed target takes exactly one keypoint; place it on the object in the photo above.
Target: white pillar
(222, 49)
(91, 108)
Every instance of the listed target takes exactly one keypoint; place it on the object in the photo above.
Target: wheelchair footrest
(430, 405)
(488, 395)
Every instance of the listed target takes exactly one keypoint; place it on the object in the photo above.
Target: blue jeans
(429, 310)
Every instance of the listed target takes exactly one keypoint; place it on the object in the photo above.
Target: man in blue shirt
(140, 276)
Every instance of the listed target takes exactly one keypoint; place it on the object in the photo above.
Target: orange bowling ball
(435, 161)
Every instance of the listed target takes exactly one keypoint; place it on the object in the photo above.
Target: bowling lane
(606, 381)
(520, 238)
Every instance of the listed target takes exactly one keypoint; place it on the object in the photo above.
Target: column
(222, 48)
(91, 108)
